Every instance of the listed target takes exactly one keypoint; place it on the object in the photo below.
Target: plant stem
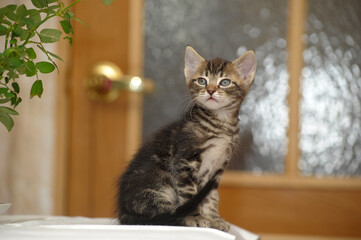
(69, 6)
(6, 41)
(48, 17)
(37, 26)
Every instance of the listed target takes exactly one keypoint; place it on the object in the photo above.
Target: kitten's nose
(210, 92)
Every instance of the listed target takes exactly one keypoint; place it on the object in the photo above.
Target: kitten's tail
(192, 204)
(176, 218)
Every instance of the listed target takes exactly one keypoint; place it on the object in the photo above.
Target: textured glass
(330, 138)
(222, 28)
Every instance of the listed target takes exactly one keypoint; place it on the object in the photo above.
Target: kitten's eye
(202, 81)
(225, 82)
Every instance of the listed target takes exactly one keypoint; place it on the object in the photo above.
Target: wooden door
(101, 135)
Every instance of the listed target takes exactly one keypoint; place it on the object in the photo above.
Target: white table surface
(58, 227)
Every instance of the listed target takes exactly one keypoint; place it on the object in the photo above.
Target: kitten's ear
(192, 62)
(246, 66)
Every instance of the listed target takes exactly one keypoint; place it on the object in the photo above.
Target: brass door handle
(107, 80)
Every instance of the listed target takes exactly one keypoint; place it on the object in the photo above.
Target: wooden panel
(303, 237)
(243, 179)
(293, 211)
(97, 131)
(296, 23)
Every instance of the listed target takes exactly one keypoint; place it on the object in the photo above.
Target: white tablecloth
(55, 228)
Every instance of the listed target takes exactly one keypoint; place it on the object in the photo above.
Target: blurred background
(298, 165)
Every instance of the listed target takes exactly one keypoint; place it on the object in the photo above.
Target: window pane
(330, 138)
(222, 28)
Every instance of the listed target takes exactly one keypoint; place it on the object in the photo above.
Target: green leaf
(13, 99)
(3, 90)
(40, 3)
(17, 102)
(30, 69)
(34, 15)
(49, 35)
(66, 25)
(21, 70)
(67, 15)
(21, 51)
(8, 52)
(9, 95)
(5, 100)
(15, 62)
(71, 14)
(107, 2)
(36, 89)
(70, 40)
(3, 30)
(56, 56)
(26, 34)
(16, 87)
(32, 12)
(11, 15)
(41, 48)
(9, 12)
(31, 53)
(18, 32)
(6, 120)
(52, 8)
(2, 12)
(8, 111)
(6, 22)
(78, 20)
(13, 41)
(11, 7)
(29, 22)
(12, 74)
(21, 11)
(45, 67)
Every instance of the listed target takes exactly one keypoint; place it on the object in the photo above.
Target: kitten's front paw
(220, 224)
(197, 221)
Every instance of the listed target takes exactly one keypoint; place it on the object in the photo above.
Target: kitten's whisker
(190, 106)
(195, 101)
(184, 103)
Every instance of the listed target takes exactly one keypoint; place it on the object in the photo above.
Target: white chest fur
(213, 158)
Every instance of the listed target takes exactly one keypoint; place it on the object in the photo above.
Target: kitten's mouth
(211, 99)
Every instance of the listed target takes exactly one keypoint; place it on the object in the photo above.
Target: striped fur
(173, 178)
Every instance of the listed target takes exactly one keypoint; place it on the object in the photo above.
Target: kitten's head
(218, 84)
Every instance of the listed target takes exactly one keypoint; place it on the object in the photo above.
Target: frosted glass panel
(330, 138)
(222, 28)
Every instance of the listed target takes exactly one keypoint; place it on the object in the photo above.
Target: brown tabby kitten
(173, 178)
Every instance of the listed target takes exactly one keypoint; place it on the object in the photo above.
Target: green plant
(21, 28)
